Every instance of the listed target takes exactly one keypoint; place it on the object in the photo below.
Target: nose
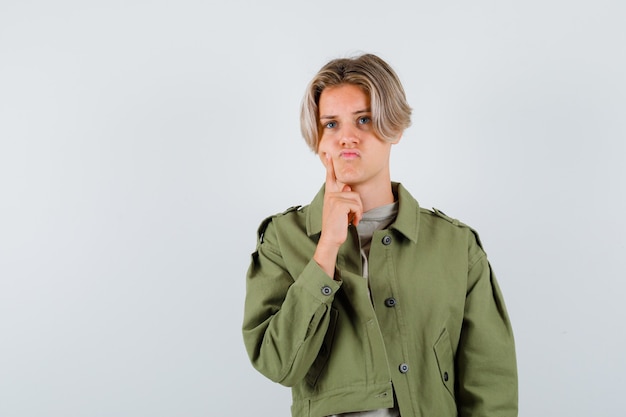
(349, 136)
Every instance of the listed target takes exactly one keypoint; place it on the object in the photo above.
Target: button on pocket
(390, 302)
(445, 361)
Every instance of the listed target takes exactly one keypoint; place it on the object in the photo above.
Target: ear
(397, 140)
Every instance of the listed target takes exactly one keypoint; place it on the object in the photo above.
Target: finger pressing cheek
(324, 157)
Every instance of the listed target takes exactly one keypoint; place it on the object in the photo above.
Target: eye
(364, 120)
(330, 125)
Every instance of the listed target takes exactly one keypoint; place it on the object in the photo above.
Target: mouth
(349, 155)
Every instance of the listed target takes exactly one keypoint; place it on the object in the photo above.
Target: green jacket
(435, 329)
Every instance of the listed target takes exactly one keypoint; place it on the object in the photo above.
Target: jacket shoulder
(456, 222)
(266, 222)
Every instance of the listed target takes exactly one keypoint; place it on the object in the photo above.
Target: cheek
(323, 146)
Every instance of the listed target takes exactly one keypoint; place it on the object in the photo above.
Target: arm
(487, 369)
(285, 317)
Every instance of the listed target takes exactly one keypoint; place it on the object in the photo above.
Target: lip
(350, 154)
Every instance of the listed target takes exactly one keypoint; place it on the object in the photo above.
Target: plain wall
(141, 144)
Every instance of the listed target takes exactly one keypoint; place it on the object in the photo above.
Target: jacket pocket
(322, 357)
(445, 361)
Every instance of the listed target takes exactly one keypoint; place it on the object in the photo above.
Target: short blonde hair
(391, 113)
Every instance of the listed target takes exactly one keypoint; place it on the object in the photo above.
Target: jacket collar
(407, 221)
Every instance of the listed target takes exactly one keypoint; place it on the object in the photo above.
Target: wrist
(326, 258)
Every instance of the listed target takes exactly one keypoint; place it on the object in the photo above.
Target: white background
(142, 142)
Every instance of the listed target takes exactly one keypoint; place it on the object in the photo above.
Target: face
(347, 135)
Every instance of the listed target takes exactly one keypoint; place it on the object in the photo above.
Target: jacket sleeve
(486, 363)
(285, 317)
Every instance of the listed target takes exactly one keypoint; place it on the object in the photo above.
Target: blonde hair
(391, 113)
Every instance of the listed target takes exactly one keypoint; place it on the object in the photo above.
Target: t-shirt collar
(407, 221)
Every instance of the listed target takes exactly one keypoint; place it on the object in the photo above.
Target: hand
(342, 207)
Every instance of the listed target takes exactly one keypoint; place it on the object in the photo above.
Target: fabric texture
(376, 219)
(435, 328)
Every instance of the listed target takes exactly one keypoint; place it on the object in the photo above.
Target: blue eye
(364, 120)
(330, 125)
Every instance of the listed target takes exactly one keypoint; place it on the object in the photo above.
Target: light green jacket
(435, 329)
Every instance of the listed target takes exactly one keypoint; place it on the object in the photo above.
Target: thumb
(346, 188)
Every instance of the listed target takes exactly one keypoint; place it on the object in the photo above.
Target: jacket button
(445, 376)
(404, 368)
(326, 290)
(387, 240)
(390, 302)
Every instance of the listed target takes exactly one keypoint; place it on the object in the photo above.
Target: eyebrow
(368, 110)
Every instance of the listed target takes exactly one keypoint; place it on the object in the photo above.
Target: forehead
(343, 97)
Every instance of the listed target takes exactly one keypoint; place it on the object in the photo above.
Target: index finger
(331, 178)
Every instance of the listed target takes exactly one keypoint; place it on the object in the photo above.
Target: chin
(350, 177)
(352, 182)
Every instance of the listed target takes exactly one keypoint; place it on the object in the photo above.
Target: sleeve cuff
(316, 282)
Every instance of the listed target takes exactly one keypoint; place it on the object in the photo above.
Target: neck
(373, 196)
